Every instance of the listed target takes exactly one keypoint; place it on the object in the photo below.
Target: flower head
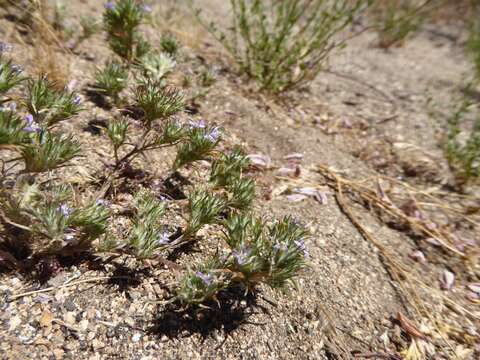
(213, 135)
(207, 279)
(4, 47)
(197, 124)
(110, 5)
(147, 8)
(163, 239)
(242, 256)
(77, 100)
(102, 202)
(65, 210)
(32, 126)
(302, 247)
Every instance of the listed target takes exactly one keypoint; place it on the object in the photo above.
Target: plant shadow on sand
(232, 310)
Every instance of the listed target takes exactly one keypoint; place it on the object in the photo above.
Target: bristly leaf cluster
(121, 20)
(112, 80)
(259, 253)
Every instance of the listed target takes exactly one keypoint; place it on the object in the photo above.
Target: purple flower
(197, 125)
(301, 246)
(241, 256)
(213, 135)
(12, 106)
(102, 202)
(110, 5)
(77, 100)
(163, 239)
(4, 47)
(147, 8)
(32, 126)
(65, 210)
(206, 278)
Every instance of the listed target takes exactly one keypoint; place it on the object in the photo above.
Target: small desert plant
(156, 101)
(10, 75)
(121, 20)
(38, 211)
(156, 66)
(284, 44)
(462, 148)
(111, 80)
(49, 106)
(54, 225)
(147, 234)
(169, 45)
(398, 19)
(258, 253)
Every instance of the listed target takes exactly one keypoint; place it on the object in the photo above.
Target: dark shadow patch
(133, 112)
(98, 99)
(95, 126)
(231, 312)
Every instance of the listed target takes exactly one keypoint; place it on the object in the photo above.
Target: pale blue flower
(213, 135)
(207, 279)
(163, 239)
(32, 126)
(65, 210)
(242, 256)
(302, 247)
(110, 5)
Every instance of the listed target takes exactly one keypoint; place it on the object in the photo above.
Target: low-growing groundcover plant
(47, 216)
(284, 44)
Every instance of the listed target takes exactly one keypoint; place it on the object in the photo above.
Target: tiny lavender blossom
(206, 278)
(241, 256)
(147, 8)
(102, 202)
(65, 210)
(301, 246)
(213, 135)
(4, 47)
(163, 239)
(110, 5)
(77, 100)
(32, 126)
(197, 125)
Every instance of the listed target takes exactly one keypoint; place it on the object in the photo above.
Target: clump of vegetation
(49, 216)
(258, 253)
(284, 44)
(122, 19)
(462, 148)
(111, 80)
(398, 19)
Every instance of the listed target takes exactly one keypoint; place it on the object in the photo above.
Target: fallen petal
(475, 287)
(260, 160)
(447, 280)
(294, 156)
(418, 256)
(296, 197)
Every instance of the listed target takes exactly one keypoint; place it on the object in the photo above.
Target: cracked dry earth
(347, 302)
